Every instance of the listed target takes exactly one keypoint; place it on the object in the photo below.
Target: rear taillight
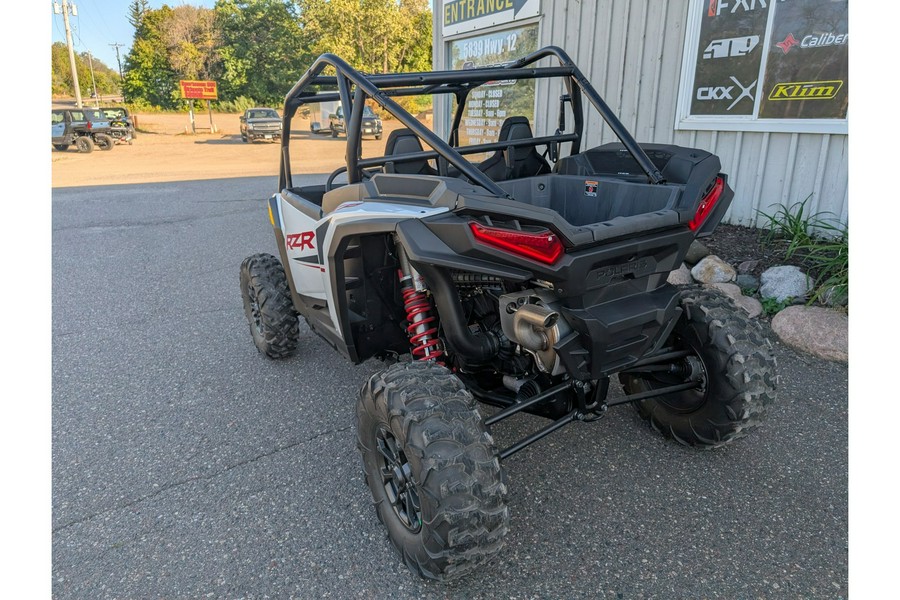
(707, 204)
(90, 125)
(543, 246)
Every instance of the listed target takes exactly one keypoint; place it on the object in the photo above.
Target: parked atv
(527, 281)
(121, 124)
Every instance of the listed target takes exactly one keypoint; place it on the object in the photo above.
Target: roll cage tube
(383, 87)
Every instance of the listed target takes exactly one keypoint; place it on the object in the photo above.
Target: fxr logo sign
(724, 93)
(739, 46)
(717, 6)
(299, 241)
(806, 90)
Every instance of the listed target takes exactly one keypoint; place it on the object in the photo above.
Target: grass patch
(820, 241)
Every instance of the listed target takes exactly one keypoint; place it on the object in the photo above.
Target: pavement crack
(176, 484)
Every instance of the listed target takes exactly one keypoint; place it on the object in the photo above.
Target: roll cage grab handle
(382, 87)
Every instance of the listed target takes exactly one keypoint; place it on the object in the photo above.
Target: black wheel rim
(255, 314)
(396, 477)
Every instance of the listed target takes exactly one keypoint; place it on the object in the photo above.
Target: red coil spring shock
(422, 336)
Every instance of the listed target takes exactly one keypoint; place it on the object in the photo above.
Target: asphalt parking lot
(185, 465)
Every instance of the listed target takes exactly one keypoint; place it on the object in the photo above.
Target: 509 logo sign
(806, 90)
(731, 47)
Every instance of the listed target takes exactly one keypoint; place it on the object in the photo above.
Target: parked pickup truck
(260, 124)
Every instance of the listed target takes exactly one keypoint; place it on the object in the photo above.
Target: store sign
(199, 90)
(459, 16)
(793, 51)
(490, 104)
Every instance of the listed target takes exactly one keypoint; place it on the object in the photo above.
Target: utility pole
(65, 13)
(93, 81)
(117, 45)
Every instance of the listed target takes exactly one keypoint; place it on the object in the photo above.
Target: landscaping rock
(751, 306)
(681, 276)
(783, 282)
(747, 267)
(696, 253)
(747, 283)
(713, 269)
(813, 329)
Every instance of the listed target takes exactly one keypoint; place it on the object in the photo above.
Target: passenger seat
(524, 160)
(404, 141)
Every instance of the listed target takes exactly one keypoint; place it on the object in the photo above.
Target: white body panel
(302, 244)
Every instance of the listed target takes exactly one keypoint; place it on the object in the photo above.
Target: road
(185, 465)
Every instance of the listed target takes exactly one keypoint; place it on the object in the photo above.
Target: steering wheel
(364, 175)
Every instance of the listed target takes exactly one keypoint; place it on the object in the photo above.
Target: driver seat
(404, 141)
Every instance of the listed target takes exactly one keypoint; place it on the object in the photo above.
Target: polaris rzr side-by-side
(528, 280)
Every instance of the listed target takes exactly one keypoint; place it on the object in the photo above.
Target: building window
(765, 65)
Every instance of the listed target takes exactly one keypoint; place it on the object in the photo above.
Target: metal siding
(631, 50)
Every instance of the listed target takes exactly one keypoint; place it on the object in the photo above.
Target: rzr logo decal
(806, 90)
(300, 241)
(724, 93)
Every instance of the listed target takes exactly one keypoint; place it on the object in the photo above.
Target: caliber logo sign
(813, 41)
(739, 46)
(806, 90)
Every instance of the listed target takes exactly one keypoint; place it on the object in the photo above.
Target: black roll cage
(354, 87)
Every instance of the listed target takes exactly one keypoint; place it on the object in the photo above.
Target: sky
(103, 22)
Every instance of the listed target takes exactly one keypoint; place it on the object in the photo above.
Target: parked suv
(260, 124)
(83, 127)
(371, 124)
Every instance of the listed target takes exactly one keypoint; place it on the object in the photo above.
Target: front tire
(104, 142)
(432, 469)
(61, 147)
(735, 366)
(268, 306)
(84, 144)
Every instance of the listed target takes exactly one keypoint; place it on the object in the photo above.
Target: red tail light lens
(90, 125)
(543, 246)
(707, 204)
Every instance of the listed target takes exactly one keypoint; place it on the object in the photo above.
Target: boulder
(681, 276)
(819, 331)
(783, 282)
(747, 267)
(713, 269)
(696, 253)
(745, 281)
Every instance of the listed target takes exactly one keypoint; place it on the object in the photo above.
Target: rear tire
(425, 447)
(268, 306)
(104, 142)
(738, 375)
(84, 144)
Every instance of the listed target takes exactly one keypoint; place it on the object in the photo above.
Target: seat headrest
(402, 141)
(516, 128)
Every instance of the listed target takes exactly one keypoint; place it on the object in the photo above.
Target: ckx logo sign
(727, 92)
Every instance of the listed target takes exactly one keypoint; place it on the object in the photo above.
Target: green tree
(375, 36)
(262, 48)
(107, 79)
(169, 44)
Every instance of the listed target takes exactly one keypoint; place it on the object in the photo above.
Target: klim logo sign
(806, 90)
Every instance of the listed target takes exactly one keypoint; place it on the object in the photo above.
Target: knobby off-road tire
(104, 142)
(739, 375)
(268, 306)
(84, 144)
(432, 468)
(61, 147)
